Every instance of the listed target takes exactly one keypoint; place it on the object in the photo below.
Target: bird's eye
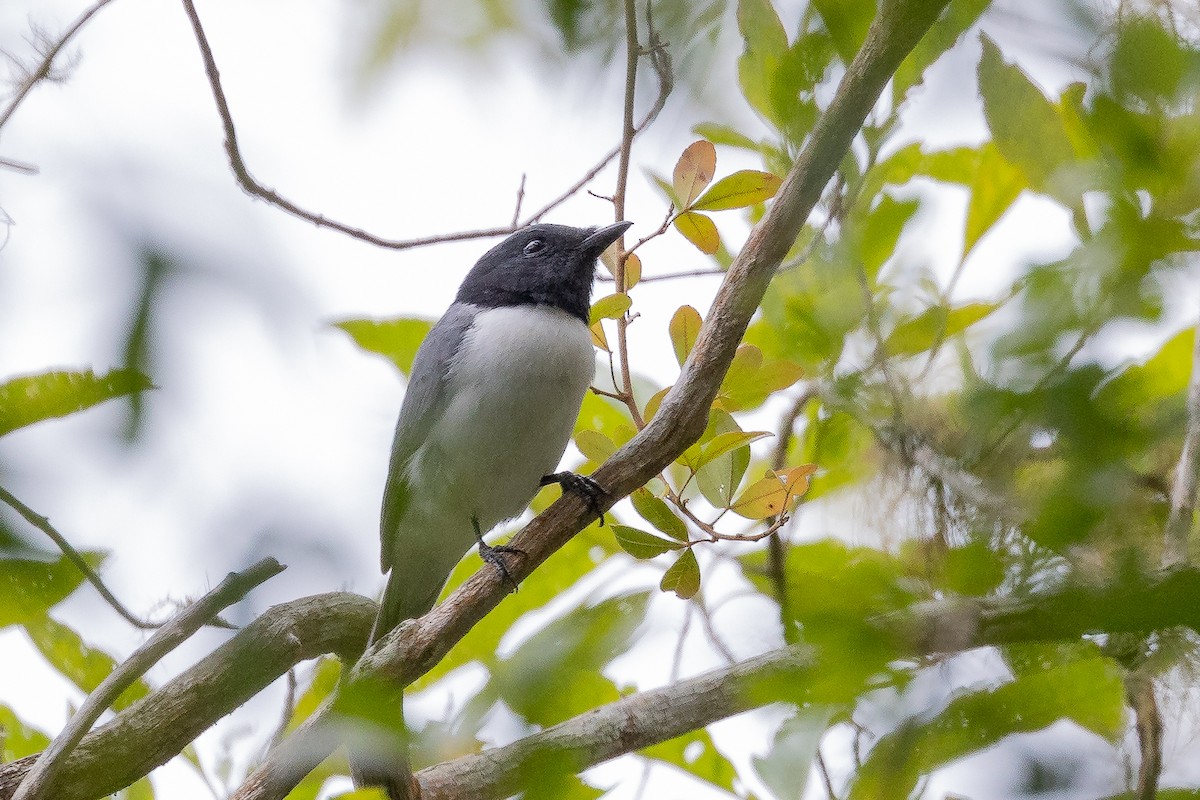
(534, 246)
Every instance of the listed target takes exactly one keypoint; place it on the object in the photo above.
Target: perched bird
(493, 397)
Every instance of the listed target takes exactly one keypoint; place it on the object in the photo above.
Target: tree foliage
(1020, 460)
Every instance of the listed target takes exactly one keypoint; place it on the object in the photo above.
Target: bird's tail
(403, 598)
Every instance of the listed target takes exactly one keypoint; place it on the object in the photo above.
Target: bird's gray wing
(424, 402)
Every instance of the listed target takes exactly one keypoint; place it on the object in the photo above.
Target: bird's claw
(592, 493)
(494, 555)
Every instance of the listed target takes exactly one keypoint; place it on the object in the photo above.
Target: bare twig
(254, 188)
(776, 556)
(19, 166)
(823, 771)
(1183, 491)
(38, 780)
(1139, 693)
(75, 557)
(289, 708)
(695, 273)
(44, 69)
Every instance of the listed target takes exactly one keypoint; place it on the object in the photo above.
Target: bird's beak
(598, 241)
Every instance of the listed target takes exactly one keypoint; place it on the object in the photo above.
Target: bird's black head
(545, 265)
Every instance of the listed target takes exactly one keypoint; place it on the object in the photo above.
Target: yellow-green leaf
(694, 170)
(659, 514)
(763, 498)
(395, 339)
(33, 398)
(595, 446)
(684, 328)
(641, 544)
(653, 403)
(700, 231)
(743, 188)
(599, 340)
(723, 443)
(612, 306)
(633, 271)
(682, 577)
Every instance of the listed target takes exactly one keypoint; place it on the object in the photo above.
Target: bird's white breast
(516, 385)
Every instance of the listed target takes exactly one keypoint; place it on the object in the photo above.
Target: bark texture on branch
(157, 728)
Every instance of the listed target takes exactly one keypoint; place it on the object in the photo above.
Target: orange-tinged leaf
(694, 170)
(700, 231)
(763, 498)
(796, 480)
(640, 544)
(682, 577)
(612, 306)
(743, 188)
(684, 328)
(598, 337)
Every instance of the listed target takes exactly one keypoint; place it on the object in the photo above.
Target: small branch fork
(40, 778)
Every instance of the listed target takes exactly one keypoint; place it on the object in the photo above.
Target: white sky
(269, 432)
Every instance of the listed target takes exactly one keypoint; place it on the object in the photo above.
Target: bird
(492, 399)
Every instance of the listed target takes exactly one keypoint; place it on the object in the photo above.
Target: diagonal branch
(416, 645)
(38, 780)
(158, 727)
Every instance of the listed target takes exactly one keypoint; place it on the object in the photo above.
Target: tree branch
(416, 646)
(37, 781)
(75, 557)
(158, 727)
(254, 188)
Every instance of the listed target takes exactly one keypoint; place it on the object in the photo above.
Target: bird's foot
(494, 555)
(591, 492)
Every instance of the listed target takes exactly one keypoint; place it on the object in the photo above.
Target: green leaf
(79, 662)
(684, 329)
(723, 134)
(693, 171)
(743, 188)
(718, 480)
(595, 446)
(696, 754)
(878, 231)
(571, 651)
(700, 231)
(766, 44)
(18, 739)
(612, 306)
(995, 186)
(934, 325)
(723, 443)
(1089, 691)
(786, 764)
(30, 588)
(324, 681)
(640, 544)
(682, 577)
(33, 398)
(141, 789)
(1026, 127)
(956, 20)
(659, 514)
(847, 22)
(571, 563)
(395, 339)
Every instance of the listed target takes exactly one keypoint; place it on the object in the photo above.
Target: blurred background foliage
(1010, 448)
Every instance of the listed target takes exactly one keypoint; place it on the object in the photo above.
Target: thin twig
(19, 166)
(235, 586)
(1139, 693)
(289, 708)
(43, 69)
(1183, 491)
(776, 556)
(75, 557)
(695, 273)
(254, 188)
(516, 217)
(823, 771)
